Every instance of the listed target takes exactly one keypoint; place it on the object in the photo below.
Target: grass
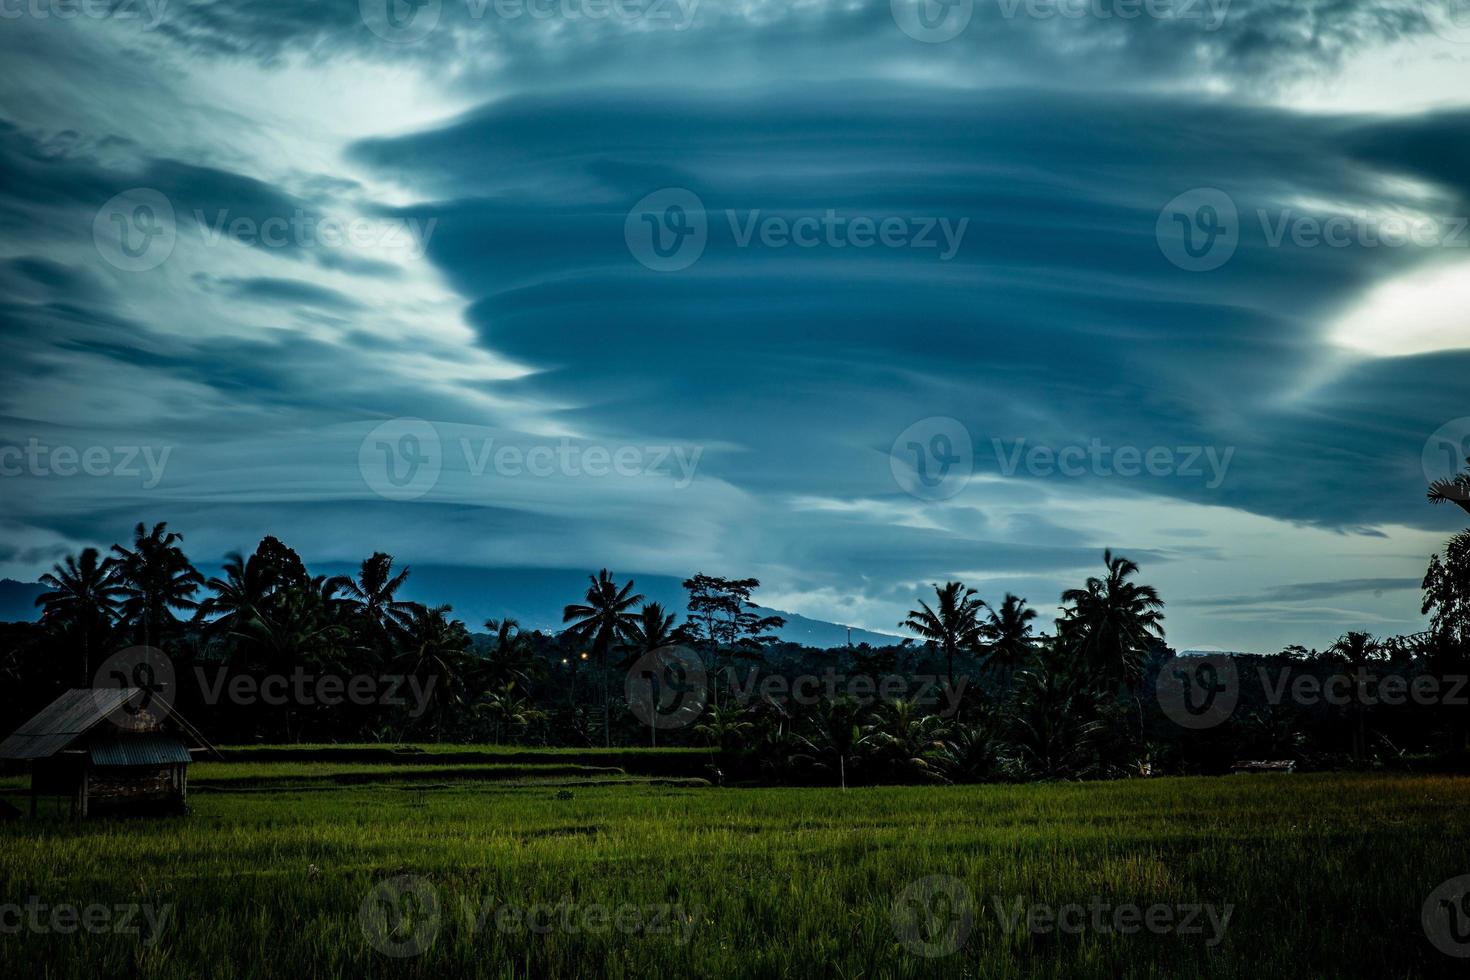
(1326, 876)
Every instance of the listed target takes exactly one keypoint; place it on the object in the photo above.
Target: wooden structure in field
(113, 750)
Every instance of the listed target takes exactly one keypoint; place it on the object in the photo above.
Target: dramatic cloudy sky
(310, 268)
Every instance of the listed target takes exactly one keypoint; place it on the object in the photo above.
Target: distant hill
(534, 596)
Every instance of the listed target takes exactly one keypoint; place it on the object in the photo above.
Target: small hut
(113, 750)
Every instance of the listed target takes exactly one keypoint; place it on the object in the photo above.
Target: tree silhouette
(83, 598)
(954, 626)
(1111, 623)
(156, 578)
(603, 619)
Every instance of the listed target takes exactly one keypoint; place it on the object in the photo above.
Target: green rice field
(344, 868)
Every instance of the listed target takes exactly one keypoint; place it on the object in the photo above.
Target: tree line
(1076, 701)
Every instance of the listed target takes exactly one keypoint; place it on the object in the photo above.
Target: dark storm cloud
(1058, 322)
(1307, 592)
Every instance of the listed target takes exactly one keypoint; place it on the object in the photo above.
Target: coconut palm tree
(603, 619)
(653, 628)
(241, 594)
(910, 740)
(954, 626)
(505, 706)
(1007, 632)
(434, 648)
(83, 597)
(838, 730)
(156, 578)
(1112, 623)
(1358, 651)
(375, 593)
(1455, 489)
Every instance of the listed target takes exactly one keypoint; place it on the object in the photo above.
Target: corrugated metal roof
(148, 749)
(64, 720)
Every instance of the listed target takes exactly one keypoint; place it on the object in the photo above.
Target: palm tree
(1358, 651)
(240, 595)
(653, 628)
(1007, 632)
(376, 594)
(156, 578)
(910, 739)
(1112, 623)
(954, 627)
(83, 596)
(603, 619)
(1455, 489)
(510, 660)
(434, 648)
(507, 707)
(838, 730)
